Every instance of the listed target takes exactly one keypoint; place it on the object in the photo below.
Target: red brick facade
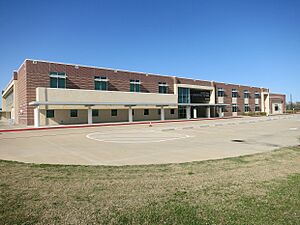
(33, 74)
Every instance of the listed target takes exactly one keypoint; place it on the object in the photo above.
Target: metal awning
(38, 103)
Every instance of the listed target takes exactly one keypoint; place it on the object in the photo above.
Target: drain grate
(238, 140)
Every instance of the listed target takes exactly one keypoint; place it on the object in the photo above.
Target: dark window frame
(146, 112)
(163, 88)
(114, 112)
(234, 93)
(95, 112)
(56, 81)
(135, 86)
(221, 92)
(73, 113)
(52, 113)
(101, 84)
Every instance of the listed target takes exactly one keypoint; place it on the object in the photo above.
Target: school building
(43, 93)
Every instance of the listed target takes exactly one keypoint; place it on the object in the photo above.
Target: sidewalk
(5, 127)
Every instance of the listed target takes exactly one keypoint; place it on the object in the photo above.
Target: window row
(95, 112)
(235, 93)
(247, 108)
(58, 80)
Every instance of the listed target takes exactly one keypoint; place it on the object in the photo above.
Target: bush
(255, 114)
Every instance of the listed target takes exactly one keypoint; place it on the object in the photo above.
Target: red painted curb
(110, 124)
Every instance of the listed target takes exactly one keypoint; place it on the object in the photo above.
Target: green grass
(257, 189)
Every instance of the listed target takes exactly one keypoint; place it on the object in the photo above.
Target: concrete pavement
(161, 143)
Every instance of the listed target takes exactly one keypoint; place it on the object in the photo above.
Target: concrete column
(188, 112)
(208, 112)
(195, 113)
(36, 113)
(90, 115)
(130, 116)
(162, 113)
(220, 112)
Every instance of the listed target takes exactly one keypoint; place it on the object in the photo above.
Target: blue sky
(255, 42)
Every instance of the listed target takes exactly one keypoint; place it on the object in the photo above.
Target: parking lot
(160, 143)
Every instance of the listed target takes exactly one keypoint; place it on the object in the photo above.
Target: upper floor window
(101, 83)
(246, 94)
(58, 79)
(135, 86)
(162, 87)
(234, 93)
(221, 92)
(257, 95)
(183, 95)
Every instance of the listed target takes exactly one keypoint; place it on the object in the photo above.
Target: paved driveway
(161, 143)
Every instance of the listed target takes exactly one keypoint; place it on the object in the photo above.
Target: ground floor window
(146, 112)
(50, 113)
(73, 113)
(234, 108)
(247, 108)
(95, 112)
(181, 112)
(172, 111)
(114, 112)
(159, 111)
(257, 108)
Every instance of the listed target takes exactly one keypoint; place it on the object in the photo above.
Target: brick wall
(37, 75)
(240, 100)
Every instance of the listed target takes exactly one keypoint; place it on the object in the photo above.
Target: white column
(220, 112)
(188, 112)
(36, 113)
(90, 115)
(195, 113)
(130, 117)
(208, 112)
(162, 113)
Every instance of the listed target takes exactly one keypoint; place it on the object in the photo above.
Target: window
(114, 112)
(135, 86)
(246, 108)
(95, 112)
(257, 108)
(162, 87)
(183, 95)
(234, 108)
(257, 95)
(101, 83)
(57, 79)
(276, 108)
(221, 92)
(50, 113)
(234, 93)
(246, 94)
(172, 111)
(158, 111)
(73, 113)
(146, 112)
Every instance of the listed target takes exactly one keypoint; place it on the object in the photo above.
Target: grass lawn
(258, 189)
